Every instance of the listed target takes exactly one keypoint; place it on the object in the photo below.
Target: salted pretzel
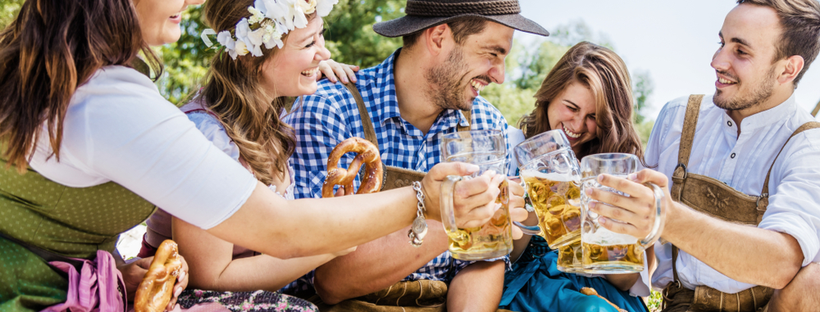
(156, 288)
(368, 154)
(592, 292)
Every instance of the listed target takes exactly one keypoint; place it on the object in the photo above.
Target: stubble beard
(449, 93)
(759, 94)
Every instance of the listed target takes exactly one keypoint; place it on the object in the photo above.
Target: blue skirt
(535, 284)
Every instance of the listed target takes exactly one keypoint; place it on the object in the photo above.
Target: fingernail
(353, 78)
(588, 191)
(592, 205)
(602, 220)
(472, 168)
(600, 178)
(178, 292)
(633, 177)
(344, 80)
(181, 275)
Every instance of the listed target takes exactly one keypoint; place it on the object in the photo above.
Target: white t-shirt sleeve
(213, 130)
(119, 128)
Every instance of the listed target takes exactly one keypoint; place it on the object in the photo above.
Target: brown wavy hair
(233, 92)
(605, 73)
(51, 48)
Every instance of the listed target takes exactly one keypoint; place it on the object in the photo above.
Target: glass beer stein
(488, 150)
(604, 251)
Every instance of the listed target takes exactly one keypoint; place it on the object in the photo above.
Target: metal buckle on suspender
(685, 171)
(757, 203)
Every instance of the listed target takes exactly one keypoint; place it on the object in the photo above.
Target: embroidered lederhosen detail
(715, 198)
(395, 177)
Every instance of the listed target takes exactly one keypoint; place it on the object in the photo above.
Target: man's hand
(474, 200)
(634, 214)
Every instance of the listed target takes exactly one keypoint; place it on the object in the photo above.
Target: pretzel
(156, 288)
(368, 154)
(591, 292)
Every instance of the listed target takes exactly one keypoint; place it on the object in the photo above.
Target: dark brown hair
(461, 27)
(50, 49)
(603, 72)
(233, 92)
(800, 20)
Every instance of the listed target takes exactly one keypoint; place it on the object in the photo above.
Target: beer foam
(553, 176)
(606, 237)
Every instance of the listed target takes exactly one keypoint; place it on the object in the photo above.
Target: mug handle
(653, 235)
(448, 218)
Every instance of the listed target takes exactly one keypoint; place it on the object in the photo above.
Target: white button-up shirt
(742, 162)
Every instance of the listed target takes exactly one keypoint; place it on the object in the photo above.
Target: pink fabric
(94, 288)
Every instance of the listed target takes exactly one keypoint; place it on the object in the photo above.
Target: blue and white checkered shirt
(331, 115)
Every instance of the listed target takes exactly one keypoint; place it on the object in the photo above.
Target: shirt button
(729, 123)
(733, 155)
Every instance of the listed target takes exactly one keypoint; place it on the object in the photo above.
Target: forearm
(520, 245)
(262, 272)
(377, 265)
(741, 252)
(477, 288)
(353, 220)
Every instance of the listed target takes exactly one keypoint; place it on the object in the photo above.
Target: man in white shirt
(719, 152)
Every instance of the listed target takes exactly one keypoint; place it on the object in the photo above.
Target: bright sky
(672, 40)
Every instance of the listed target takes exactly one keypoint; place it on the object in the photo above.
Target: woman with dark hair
(90, 148)
(588, 96)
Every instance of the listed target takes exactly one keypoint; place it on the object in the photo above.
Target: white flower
(224, 38)
(323, 7)
(256, 41)
(256, 15)
(241, 49)
(307, 6)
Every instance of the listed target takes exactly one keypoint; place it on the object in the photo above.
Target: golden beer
(556, 200)
(610, 258)
(570, 258)
(493, 239)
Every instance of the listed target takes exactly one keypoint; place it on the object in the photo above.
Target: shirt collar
(770, 116)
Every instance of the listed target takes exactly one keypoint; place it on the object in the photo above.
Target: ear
(792, 67)
(435, 38)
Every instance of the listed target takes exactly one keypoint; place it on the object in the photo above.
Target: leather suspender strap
(690, 122)
(467, 114)
(367, 124)
(763, 202)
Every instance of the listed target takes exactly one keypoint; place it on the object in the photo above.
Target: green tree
(8, 11)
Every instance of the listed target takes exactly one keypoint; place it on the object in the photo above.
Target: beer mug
(552, 178)
(488, 150)
(570, 258)
(604, 251)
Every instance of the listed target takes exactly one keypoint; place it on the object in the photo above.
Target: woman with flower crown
(89, 148)
(234, 111)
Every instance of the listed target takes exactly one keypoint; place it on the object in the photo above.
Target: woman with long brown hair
(90, 148)
(588, 96)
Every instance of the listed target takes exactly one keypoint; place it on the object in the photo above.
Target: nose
(720, 61)
(496, 72)
(322, 54)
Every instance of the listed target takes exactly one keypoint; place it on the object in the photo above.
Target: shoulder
(485, 113)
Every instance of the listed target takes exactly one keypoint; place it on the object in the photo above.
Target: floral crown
(269, 21)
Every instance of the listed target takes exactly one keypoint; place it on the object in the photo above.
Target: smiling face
(470, 67)
(744, 63)
(159, 19)
(573, 111)
(293, 70)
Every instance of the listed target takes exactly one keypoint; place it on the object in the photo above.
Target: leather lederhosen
(395, 177)
(715, 198)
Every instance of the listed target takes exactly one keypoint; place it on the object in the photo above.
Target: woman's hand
(331, 69)
(133, 273)
(474, 200)
(517, 210)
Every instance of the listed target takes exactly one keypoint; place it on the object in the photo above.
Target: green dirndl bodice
(73, 222)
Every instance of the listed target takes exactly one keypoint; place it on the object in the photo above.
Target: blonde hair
(603, 72)
(234, 93)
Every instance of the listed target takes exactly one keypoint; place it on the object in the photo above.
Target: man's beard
(758, 94)
(448, 77)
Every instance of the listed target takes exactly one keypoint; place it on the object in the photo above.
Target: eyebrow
(571, 102)
(736, 40)
(496, 48)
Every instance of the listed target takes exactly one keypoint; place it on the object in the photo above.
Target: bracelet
(419, 228)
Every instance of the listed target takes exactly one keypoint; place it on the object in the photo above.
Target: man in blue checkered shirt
(413, 98)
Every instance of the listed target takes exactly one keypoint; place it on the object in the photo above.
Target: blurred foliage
(350, 39)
